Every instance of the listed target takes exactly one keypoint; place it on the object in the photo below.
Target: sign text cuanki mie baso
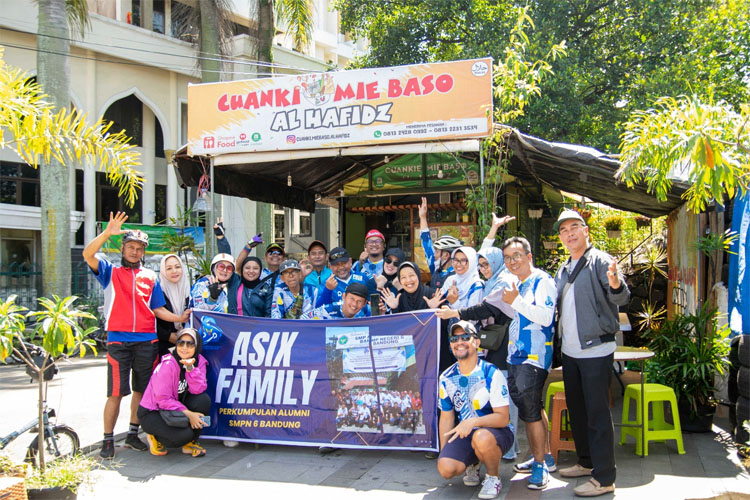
(415, 103)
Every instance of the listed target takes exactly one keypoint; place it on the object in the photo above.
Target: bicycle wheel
(65, 438)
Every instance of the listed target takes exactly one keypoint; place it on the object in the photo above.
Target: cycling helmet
(448, 243)
(221, 257)
(135, 235)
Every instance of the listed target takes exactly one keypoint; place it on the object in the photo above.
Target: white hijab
(177, 293)
(464, 282)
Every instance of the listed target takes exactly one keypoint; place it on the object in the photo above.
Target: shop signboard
(415, 103)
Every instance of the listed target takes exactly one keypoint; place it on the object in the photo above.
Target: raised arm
(114, 227)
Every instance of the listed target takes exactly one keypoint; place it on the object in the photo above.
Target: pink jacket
(161, 393)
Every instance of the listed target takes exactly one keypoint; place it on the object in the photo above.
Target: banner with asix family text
(348, 383)
(414, 103)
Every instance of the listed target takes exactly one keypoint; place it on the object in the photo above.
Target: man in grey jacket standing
(589, 292)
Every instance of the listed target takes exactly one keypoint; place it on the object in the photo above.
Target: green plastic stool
(657, 429)
(552, 389)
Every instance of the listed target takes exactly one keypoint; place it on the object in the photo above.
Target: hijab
(177, 293)
(198, 339)
(413, 301)
(466, 281)
(494, 257)
(250, 285)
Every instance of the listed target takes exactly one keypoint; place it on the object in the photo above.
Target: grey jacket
(596, 302)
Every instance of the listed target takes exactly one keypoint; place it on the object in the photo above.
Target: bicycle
(59, 439)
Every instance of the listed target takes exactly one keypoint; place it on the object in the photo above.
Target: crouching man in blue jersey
(477, 391)
(353, 304)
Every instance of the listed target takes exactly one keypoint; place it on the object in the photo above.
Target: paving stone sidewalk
(709, 469)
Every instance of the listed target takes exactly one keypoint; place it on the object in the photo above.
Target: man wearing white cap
(475, 393)
(589, 291)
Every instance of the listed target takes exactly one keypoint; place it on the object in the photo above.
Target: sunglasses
(225, 267)
(274, 252)
(185, 343)
(390, 261)
(464, 336)
(337, 255)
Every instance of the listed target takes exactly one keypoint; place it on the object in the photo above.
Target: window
(305, 224)
(159, 139)
(182, 23)
(127, 114)
(108, 201)
(18, 253)
(278, 228)
(161, 203)
(158, 24)
(19, 184)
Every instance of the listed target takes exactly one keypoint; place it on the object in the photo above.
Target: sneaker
(134, 443)
(155, 447)
(230, 444)
(194, 449)
(326, 450)
(491, 487)
(592, 488)
(431, 455)
(525, 467)
(576, 470)
(539, 476)
(108, 449)
(471, 477)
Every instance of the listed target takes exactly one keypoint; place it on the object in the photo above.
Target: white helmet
(221, 257)
(448, 243)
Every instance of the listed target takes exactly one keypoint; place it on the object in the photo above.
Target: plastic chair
(552, 389)
(657, 428)
(559, 438)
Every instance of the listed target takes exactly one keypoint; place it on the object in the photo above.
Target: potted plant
(642, 221)
(689, 352)
(613, 224)
(61, 479)
(58, 327)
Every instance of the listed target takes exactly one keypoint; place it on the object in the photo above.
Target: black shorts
(126, 359)
(525, 384)
(461, 449)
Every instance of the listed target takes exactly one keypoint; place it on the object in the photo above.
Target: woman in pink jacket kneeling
(175, 400)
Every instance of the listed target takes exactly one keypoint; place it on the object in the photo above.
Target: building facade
(133, 66)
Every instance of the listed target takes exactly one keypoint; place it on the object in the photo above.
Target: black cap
(358, 289)
(275, 246)
(338, 254)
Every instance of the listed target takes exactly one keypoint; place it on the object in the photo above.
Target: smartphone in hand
(375, 304)
(206, 420)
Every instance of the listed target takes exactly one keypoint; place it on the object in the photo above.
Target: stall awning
(263, 176)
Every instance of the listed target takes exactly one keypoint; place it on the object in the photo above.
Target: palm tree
(53, 74)
(297, 15)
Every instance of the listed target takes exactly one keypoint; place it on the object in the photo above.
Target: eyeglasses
(484, 265)
(185, 343)
(392, 262)
(461, 262)
(373, 241)
(274, 252)
(224, 267)
(516, 257)
(464, 336)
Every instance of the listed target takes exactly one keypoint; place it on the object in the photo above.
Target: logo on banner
(209, 142)
(479, 68)
(343, 339)
(210, 331)
(255, 137)
(243, 136)
(291, 139)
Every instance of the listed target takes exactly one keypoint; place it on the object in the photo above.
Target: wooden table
(623, 353)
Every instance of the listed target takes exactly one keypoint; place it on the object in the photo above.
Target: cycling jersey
(283, 304)
(474, 394)
(130, 295)
(333, 311)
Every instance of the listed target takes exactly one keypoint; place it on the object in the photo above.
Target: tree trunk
(266, 30)
(264, 219)
(53, 74)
